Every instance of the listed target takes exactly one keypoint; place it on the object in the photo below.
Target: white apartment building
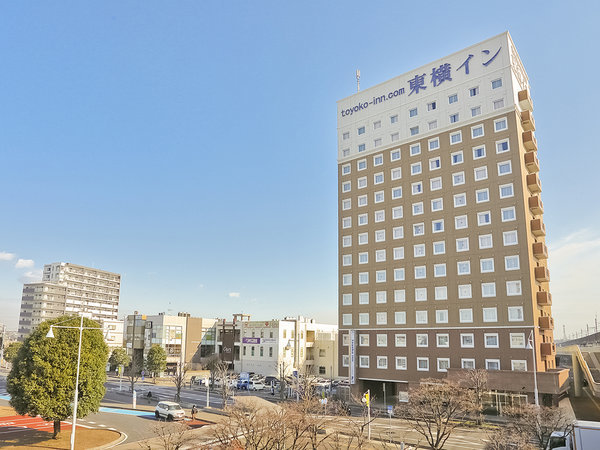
(68, 288)
(288, 345)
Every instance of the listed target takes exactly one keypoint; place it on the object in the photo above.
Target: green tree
(156, 361)
(42, 379)
(119, 357)
(12, 350)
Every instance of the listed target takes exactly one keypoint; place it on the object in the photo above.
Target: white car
(169, 411)
(255, 386)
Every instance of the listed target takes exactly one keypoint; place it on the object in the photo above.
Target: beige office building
(68, 288)
(442, 255)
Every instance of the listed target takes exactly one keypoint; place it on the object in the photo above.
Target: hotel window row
(465, 315)
(422, 363)
(456, 137)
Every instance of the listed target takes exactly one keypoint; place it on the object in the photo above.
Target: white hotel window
(400, 317)
(363, 318)
(362, 182)
(467, 340)
(464, 291)
(476, 131)
(415, 149)
(441, 293)
(458, 178)
(346, 152)
(380, 236)
(422, 340)
(417, 188)
(431, 106)
(435, 163)
(504, 168)
(412, 112)
(415, 168)
(362, 147)
(363, 278)
(380, 276)
(347, 279)
(492, 364)
(453, 118)
(378, 160)
(497, 104)
(490, 314)
(363, 340)
(443, 364)
(482, 195)
(346, 204)
(465, 315)
(462, 244)
(379, 216)
(400, 362)
(518, 365)
(432, 125)
(398, 232)
(497, 83)
(396, 173)
(457, 158)
(452, 98)
(460, 222)
(418, 229)
(398, 253)
(435, 184)
(434, 144)
(508, 214)
(474, 91)
(455, 138)
(397, 192)
(511, 262)
(363, 298)
(420, 294)
(488, 289)
(510, 238)
(382, 362)
(399, 274)
(346, 169)
(363, 219)
(361, 130)
(395, 155)
(421, 317)
(423, 364)
(399, 296)
(346, 135)
(345, 360)
(441, 316)
(437, 226)
(517, 340)
(486, 265)
(361, 164)
(479, 152)
(363, 258)
(419, 250)
(346, 260)
(485, 241)
(502, 146)
(346, 222)
(400, 340)
(500, 124)
(481, 173)
(414, 131)
(381, 297)
(439, 247)
(381, 318)
(439, 270)
(491, 340)
(363, 361)
(513, 287)
(476, 111)
(437, 204)
(515, 313)
(467, 363)
(346, 299)
(346, 186)
(346, 319)
(506, 190)
(362, 200)
(460, 200)
(380, 255)
(420, 272)
(377, 124)
(484, 218)
(394, 118)
(463, 267)
(379, 196)
(346, 241)
(417, 208)
(397, 212)
(378, 178)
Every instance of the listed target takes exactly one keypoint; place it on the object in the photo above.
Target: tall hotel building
(68, 288)
(442, 254)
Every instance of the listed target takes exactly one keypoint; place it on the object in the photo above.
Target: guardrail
(594, 386)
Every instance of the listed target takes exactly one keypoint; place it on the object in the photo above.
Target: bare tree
(221, 371)
(539, 422)
(436, 408)
(477, 380)
(179, 378)
(133, 372)
(508, 438)
(169, 436)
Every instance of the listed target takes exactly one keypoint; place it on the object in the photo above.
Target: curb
(122, 437)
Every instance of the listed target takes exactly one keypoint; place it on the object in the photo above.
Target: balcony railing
(547, 348)
(537, 227)
(531, 162)
(533, 183)
(544, 298)
(542, 274)
(525, 100)
(529, 141)
(527, 121)
(536, 206)
(546, 323)
(540, 251)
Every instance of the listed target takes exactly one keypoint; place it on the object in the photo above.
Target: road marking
(130, 412)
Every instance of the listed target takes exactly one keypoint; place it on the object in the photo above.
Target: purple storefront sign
(250, 340)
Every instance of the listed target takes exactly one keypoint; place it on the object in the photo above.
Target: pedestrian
(194, 412)
(272, 388)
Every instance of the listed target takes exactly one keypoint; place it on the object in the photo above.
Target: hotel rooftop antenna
(357, 80)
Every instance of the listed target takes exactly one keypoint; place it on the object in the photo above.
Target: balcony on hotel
(542, 274)
(543, 298)
(537, 227)
(533, 183)
(547, 348)
(529, 141)
(527, 121)
(536, 206)
(531, 162)
(525, 100)
(546, 323)
(540, 251)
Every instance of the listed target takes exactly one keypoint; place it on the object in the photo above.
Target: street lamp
(50, 334)
(531, 346)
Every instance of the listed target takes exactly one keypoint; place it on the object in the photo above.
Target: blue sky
(191, 146)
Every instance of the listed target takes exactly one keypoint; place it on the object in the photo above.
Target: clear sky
(191, 145)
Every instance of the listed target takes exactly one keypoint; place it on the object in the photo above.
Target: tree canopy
(42, 379)
(12, 350)
(119, 357)
(156, 360)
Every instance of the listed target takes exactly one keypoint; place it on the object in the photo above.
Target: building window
(347, 279)
(457, 158)
(464, 291)
(476, 131)
(474, 91)
(381, 297)
(346, 135)
(378, 178)
(435, 163)
(363, 340)
(437, 204)
(380, 255)
(420, 294)
(496, 83)
(435, 184)
(453, 118)
(377, 160)
(492, 364)
(399, 296)
(379, 196)
(397, 212)
(400, 362)
(418, 229)
(422, 340)
(394, 118)
(431, 106)
(504, 168)
(476, 111)
(415, 168)
(398, 253)
(346, 260)
(346, 299)
(412, 112)
(511, 262)
(488, 289)
(498, 104)
(481, 173)
(462, 244)
(363, 361)
(479, 152)
(439, 270)
(502, 146)
(508, 214)
(458, 178)
(484, 218)
(467, 363)
(510, 238)
(515, 313)
(519, 365)
(434, 144)
(381, 318)
(395, 137)
(466, 315)
(347, 222)
(345, 360)
(486, 265)
(460, 222)
(441, 316)
(417, 188)
(500, 124)
(363, 298)
(452, 98)
(363, 278)
(380, 236)
(395, 155)
(482, 195)
(517, 340)
(346, 186)
(490, 315)
(441, 293)
(417, 208)
(443, 364)
(485, 241)
(346, 241)
(414, 130)
(398, 232)
(346, 204)
(363, 318)
(455, 138)
(423, 364)
(460, 200)
(399, 274)
(421, 317)
(346, 319)
(382, 362)
(362, 182)
(396, 193)
(420, 272)
(377, 124)
(363, 258)
(400, 317)
(379, 215)
(362, 147)
(463, 267)
(419, 250)
(346, 169)
(467, 340)
(361, 130)
(361, 165)
(415, 149)
(363, 219)
(400, 340)
(396, 173)
(432, 125)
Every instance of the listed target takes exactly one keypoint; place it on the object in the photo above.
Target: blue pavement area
(130, 412)
(4, 397)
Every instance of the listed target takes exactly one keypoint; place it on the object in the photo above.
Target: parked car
(255, 386)
(242, 384)
(169, 411)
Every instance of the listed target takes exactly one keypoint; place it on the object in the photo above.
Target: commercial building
(68, 288)
(186, 339)
(442, 254)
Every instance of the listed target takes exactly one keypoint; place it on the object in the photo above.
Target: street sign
(390, 410)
